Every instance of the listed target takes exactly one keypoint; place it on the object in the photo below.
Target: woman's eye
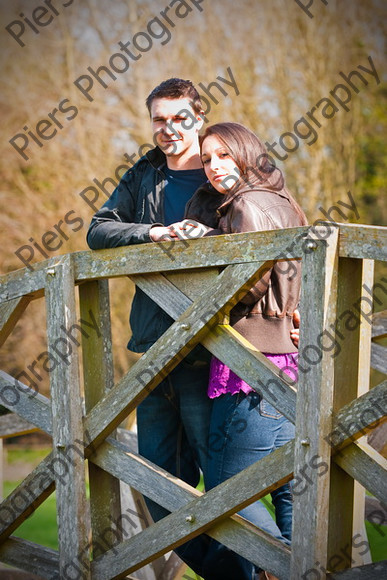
(205, 161)
(222, 155)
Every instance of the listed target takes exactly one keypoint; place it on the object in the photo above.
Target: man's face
(175, 126)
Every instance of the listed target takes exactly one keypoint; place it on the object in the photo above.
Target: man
(173, 420)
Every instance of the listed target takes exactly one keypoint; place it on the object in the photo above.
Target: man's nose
(169, 129)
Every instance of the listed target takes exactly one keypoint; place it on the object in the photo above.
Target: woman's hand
(161, 234)
(189, 229)
(295, 333)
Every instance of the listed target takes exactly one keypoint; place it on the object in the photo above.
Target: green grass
(40, 527)
(23, 455)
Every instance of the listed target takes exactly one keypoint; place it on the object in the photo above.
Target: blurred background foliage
(283, 62)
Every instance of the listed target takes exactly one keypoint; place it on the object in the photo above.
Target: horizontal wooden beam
(163, 256)
(363, 241)
(356, 241)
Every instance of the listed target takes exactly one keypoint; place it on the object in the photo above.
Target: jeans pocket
(267, 410)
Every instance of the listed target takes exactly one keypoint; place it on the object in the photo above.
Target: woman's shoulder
(270, 205)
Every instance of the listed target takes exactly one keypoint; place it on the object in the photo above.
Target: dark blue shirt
(180, 187)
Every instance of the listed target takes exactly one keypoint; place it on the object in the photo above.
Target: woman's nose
(214, 162)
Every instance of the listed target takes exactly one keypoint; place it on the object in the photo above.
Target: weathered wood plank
(181, 337)
(10, 312)
(24, 282)
(199, 253)
(31, 557)
(171, 493)
(314, 407)
(164, 256)
(359, 417)
(226, 344)
(363, 241)
(367, 466)
(378, 357)
(25, 402)
(200, 515)
(67, 426)
(352, 371)
(12, 425)
(379, 325)
(357, 241)
(98, 378)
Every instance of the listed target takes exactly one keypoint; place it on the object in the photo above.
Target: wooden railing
(197, 282)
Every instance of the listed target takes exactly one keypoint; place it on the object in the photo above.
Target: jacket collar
(156, 158)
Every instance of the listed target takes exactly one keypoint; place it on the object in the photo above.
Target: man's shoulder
(151, 161)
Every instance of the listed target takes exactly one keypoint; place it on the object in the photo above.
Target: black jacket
(135, 205)
(125, 219)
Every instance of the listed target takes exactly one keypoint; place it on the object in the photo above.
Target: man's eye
(205, 161)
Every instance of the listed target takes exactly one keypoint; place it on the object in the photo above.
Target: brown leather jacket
(265, 315)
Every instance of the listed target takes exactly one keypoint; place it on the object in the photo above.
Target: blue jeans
(251, 429)
(173, 425)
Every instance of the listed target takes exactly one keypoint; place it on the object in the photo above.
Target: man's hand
(295, 333)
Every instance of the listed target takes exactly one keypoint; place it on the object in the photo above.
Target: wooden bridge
(197, 282)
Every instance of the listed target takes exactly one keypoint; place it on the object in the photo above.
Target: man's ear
(200, 120)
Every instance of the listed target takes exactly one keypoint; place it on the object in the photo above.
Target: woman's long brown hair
(254, 163)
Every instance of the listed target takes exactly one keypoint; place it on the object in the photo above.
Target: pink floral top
(224, 380)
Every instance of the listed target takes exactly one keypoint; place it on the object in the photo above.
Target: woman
(254, 198)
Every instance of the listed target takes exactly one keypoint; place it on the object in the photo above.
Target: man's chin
(171, 151)
(170, 148)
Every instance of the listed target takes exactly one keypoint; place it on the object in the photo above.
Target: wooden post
(98, 376)
(66, 406)
(352, 370)
(314, 405)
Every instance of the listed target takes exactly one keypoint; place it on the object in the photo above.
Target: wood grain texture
(225, 343)
(314, 407)
(67, 425)
(201, 514)
(366, 466)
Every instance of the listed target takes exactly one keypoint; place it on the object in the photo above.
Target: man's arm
(114, 224)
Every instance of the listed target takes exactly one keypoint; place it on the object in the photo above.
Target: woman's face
(219, 166)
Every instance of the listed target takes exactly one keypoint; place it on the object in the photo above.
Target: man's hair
(176, 89)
